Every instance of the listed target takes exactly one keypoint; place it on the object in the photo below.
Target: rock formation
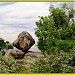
(24, 41)
(17, 54)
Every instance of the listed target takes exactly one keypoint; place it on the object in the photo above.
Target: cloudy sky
(16, 17)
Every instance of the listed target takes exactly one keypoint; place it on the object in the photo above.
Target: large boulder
(24, 41)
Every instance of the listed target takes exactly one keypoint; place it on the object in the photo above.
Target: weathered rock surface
(17, 54)
(24, 41)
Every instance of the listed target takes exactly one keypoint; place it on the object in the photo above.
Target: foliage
(56, 37)
(56, 63)
(4, 46)
(11, 65)
(57, 30)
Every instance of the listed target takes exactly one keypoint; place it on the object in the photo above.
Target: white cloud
(23, 10)
(21, 13)
(21, 16)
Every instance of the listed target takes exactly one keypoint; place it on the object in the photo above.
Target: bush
(56, 63)
(11, 65)
(65, 45)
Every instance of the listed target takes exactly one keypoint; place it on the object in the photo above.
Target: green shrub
(65, 45)
(11, 65)
(56, 63)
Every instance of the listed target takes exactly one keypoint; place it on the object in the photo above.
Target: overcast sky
(16, 17)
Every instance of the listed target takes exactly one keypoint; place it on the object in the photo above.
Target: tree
(4, 46)
(56, 31)
(8, 45)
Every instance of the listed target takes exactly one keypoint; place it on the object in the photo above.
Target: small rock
(24, 41)
(17, 54)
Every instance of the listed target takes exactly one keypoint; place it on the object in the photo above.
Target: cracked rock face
(24, 41)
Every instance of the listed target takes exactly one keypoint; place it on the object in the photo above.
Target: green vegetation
(4, 46)
(56, 31)
(56, 39)
(56, 63)
(12, 65)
